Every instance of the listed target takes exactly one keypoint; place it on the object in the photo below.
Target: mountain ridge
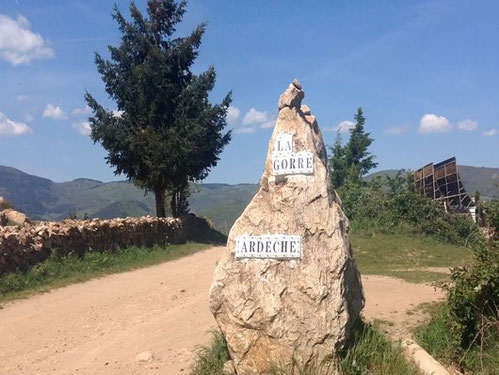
(43, 199)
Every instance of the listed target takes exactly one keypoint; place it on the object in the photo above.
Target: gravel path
(100, 326)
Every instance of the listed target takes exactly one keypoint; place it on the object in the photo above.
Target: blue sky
(426, 74)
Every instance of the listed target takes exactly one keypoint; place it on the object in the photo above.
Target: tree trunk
(159, 196)
(174, 207)
(178, 203)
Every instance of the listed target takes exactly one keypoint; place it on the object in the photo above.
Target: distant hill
(43, 199)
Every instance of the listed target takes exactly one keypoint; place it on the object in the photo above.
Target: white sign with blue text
(287, 162)
(273, 246)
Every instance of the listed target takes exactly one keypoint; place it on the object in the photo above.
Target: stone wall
(24, 246)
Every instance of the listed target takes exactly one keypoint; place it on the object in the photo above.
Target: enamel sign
(287, 162)
(273, 246)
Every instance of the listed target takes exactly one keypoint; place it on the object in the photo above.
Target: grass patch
(382, 322)
(404, 255)
(211, 360)
(437, 338)
(59, 271)
(370, 352)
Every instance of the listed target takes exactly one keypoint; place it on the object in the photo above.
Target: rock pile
(287, 286)
(22, 247)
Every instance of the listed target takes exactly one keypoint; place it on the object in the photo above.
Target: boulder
(277, 301)
(14, 217)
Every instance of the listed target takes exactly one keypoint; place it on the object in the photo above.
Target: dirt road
(99, 327)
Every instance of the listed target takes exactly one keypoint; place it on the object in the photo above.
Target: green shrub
(211, 360)
(438, 338)
(473, 295)
(442, 342)
(5, 205)
(369, 352)
(491, 213)
(465, 331)
(370, 206)
(372, 353)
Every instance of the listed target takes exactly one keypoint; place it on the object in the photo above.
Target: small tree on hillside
(165, 132)
(396, 183)
(356, 152)
(337, 162)
(352, 161)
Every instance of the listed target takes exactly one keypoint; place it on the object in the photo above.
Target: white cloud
(344, 126)
(431, 123)
(81, 111)
(233, 114)
(254, 117)
(397, 130)
(490, 133)
(18, 44)
(22, 97)
(83, 127)
(9, 127)
(467, 125)
(245, 130)
(251, 120)
(55, 113)
(28, 117)
(269, 124)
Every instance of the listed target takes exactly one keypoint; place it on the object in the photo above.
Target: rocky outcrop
(22, 247)
(13, 217)
(275, 302)
(9, 216)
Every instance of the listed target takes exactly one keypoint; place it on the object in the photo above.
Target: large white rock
(13, 217)
(273, 310)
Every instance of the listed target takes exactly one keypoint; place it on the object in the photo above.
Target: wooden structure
(442, 182)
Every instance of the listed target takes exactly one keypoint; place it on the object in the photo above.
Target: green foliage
(437, 337)
(369, 352)
(466, 330)
(167, 132)
(210, 360)
(337, 162)
(369, 206)
(59, 270)
(5, 205)
(356, 153)
(473, 295)
(326, 367)
(350, 162)
(491, 213)
(372, 353)
(396, 184)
